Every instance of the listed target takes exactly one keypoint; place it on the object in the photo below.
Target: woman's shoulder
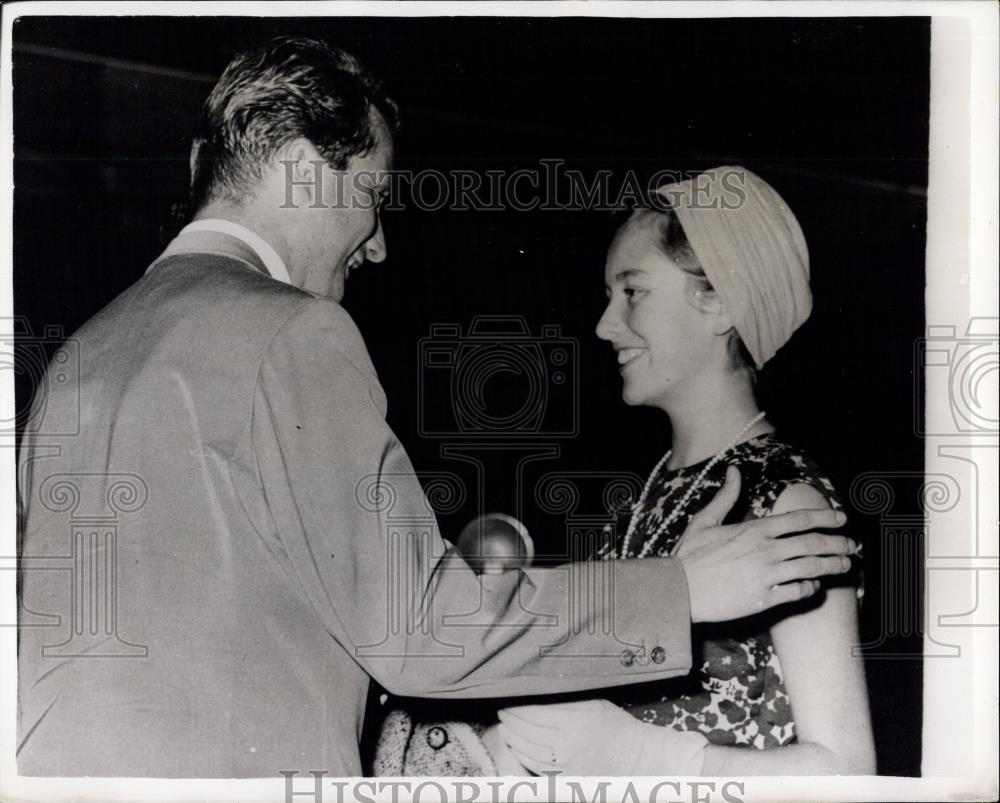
(769, 466)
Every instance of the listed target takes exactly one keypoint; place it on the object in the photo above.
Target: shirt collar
(272, 262)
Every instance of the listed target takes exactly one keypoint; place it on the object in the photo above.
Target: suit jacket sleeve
(337, 491)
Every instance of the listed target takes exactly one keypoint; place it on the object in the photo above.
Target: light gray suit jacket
(223, 541)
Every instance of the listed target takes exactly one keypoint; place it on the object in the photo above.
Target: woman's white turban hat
(752, 250)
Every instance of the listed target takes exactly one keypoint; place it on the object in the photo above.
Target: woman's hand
(596, 737)
(505, 761)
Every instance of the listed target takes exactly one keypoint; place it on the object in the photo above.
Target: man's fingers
(715, 511)
(798, 521)
(796, 546)
(808, 567)
(793, 592)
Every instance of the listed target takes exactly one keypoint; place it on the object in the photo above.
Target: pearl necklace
(679, 507)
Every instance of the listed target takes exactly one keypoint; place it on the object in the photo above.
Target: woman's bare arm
(825, 683)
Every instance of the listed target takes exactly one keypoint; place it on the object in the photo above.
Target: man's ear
(301, 153)
(300, 168)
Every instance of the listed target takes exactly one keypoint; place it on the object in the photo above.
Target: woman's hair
(673, 242)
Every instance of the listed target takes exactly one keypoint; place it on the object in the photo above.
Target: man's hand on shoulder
(740, 569)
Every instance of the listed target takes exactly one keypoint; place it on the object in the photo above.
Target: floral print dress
(735, 694)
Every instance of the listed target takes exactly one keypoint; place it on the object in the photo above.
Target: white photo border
(960, 730)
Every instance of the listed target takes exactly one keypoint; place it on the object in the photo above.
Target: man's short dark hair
(291, 87)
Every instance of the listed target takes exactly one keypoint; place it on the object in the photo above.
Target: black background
(832, 112)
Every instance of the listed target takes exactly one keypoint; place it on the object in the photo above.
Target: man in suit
(227, 520)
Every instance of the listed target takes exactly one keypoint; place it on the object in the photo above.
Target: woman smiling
(701, 294)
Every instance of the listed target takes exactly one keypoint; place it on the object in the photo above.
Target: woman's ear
(723, 321)
(711, 303)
